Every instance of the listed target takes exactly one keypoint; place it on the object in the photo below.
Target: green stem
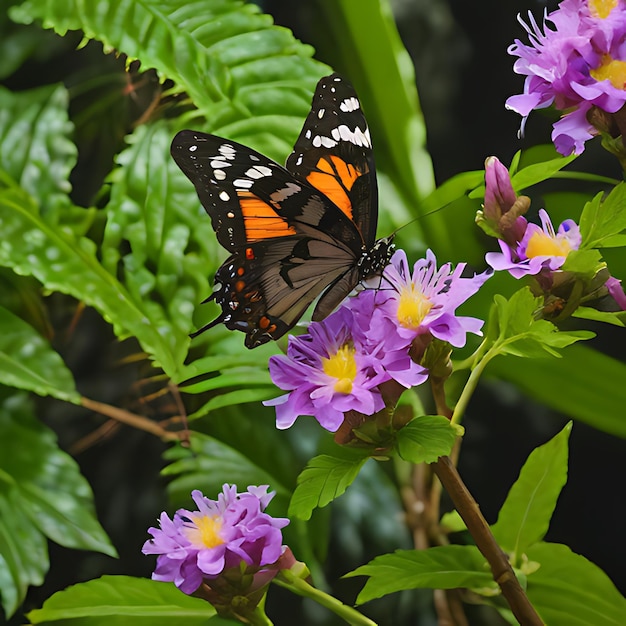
(258, 617)
(470, 387)
(289, 581)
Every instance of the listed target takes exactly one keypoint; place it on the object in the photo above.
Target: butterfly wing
(334, 154)
(288, 243)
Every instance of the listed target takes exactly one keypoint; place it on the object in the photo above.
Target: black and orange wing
(281, 232)
(334, 154)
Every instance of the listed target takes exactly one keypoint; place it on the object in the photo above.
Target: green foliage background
(105, 255)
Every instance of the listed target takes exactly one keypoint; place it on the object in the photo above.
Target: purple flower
(503, 209)
(614, 287)
(425, 301)
(327, 373)
(577, 65)
(539, 249)
(197, 546)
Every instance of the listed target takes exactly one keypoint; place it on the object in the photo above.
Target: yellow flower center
(342, 366)
(541, 244)
(612, 70)
(413, 307)
(205, 531)
(602, 8)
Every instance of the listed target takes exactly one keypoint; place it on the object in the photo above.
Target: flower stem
(501, 569)
(299, 586)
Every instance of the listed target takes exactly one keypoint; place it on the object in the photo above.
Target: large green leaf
(569, 590)
(601, 221)
(68, 263)
(42, 494)
(157, 240)
(443, 567)
(27, 361)
(325, 478)
(525, 515)
(594, 395)
(248, 78)
(119, 600)
(35, 145)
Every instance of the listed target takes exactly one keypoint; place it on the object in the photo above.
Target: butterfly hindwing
(294, 233)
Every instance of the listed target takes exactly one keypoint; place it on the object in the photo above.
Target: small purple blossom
(539, 249)
(503, 209)
(616, 291)
(577, 65)
(197, 546)
(425, 301)
(327, 373)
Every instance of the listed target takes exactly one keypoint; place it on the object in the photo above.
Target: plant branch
(501, 569)
(130, 419)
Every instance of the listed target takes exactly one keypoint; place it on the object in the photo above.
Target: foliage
(121, 235)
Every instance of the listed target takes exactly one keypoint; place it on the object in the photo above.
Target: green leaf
(158, 241)
(247, 77)
(365, 39)
(35, 146)
(28, 362)
(426, 438)
(121, 600)
(210, 463)
(594, 393)
(616, 318)
(23, 549)
(442, 567)
(601, 220)
(42, 494)
(525, 515)
(569, 590)
(323, 479)
(538, 172)
(67, 263)
(514, 330)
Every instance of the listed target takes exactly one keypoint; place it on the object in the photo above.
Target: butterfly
(294, 233)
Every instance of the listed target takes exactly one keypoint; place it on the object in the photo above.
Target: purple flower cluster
(339, 365)
(577, 65)
(526, 248)
(197, 546)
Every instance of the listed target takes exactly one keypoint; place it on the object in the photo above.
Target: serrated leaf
(442, 567)
(28, 362)
(23, 548)
(42, 494)
(520, 334)
(569, 590)
(210, 463)
(68, 263)
(158, 241)
(525, 515)
(231, 60)
(114, 600)
(601, 220)
(35, 149)
(426, 438)
(324, 478)
(241, 396)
